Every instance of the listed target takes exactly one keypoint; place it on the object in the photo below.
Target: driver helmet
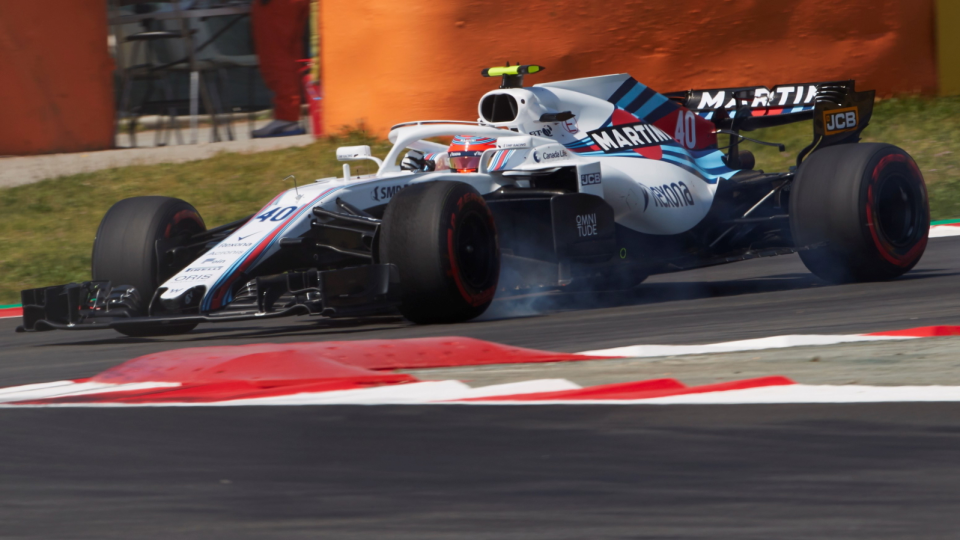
(465, 151)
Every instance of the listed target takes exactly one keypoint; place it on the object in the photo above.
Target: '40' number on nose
(277, 214)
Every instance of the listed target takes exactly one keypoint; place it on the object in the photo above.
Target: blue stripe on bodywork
(633, 94)
(710, 167)
(208, 298)
(581, 143)
(666, 107)
(624, 88)
(655, 102)
(646, 95)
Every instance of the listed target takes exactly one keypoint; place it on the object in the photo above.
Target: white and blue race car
(598, 181)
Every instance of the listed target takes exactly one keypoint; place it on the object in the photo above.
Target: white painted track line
(69, 388)
(802, 393)
(942, 231)
(775, 342)
(447, 392)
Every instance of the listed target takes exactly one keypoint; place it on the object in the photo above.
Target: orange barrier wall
(387, 62)
(56, 87)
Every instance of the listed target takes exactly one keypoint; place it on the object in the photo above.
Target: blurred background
(77, 74)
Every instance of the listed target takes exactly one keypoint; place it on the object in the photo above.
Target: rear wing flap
(757, 107)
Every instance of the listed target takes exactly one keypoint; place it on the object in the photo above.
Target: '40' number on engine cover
(686, 132)
(277, 214)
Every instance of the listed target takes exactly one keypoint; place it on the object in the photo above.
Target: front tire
(863, 209)
(125, 250)
(442, 238)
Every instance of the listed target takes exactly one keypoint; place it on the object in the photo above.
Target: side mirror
(353, 153)
(356, 153)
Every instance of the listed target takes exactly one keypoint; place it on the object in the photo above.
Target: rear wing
(782, 99)
(763, 107)
(838, 111)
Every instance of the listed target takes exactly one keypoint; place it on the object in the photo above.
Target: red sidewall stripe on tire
(887, 251)
(473, 299)
(180, 216)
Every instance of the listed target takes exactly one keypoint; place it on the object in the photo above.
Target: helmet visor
(465, 160)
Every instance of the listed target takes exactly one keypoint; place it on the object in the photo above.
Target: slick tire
(442, 238)
(125, 252)
(863, 209)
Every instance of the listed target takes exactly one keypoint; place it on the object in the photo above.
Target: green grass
(47, 228)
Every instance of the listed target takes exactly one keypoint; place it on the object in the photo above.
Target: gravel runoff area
(16, 171)
(923, 361)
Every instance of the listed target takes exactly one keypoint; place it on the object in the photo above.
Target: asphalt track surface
(751, 299)
(782, 471)
(880, 471)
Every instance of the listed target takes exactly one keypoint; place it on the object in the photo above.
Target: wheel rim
(474, 248)
(180, 226)
(898, 210)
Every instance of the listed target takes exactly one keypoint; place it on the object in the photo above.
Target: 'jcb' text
(840, 120)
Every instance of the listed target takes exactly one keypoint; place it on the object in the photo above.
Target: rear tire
(867, 205)
(442, 238)
(125, 253)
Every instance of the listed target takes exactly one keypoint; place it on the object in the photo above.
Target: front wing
(349, 292)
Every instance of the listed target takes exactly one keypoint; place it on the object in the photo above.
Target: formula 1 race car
(596, 182)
